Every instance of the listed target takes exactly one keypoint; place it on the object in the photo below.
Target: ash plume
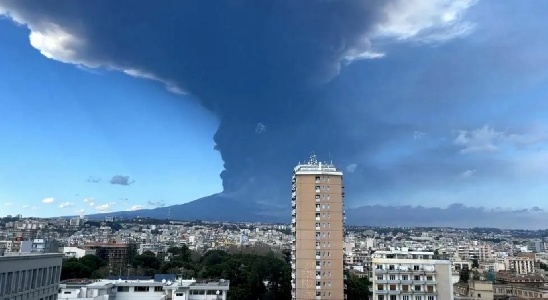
(249, 62)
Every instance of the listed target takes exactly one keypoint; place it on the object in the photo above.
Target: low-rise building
(145, 290)
(30, 276)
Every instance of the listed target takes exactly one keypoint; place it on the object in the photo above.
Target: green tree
(74, 269)
(475, 263)
(93, 262)
(464, 274)
(147, 261)
(357, 288)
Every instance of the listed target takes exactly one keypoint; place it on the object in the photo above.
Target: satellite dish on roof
(164, 281)
(169, 282)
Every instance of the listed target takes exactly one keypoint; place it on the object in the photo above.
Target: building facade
(317, 228)
(400, 274)
(30, 276)
(145, 290)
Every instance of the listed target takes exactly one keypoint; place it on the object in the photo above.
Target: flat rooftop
(18, 255)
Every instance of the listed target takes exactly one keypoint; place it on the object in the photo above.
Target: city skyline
(139, 113)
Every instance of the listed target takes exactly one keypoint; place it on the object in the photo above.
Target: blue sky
(420, 102)
(63, 125)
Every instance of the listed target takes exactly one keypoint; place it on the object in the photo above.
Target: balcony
(381, 292)
(318, 277)
(318, 257)
(318, 228)
(381, 281)
(394, 292)
(380, 271)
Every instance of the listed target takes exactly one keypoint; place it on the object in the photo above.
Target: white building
(76, 252)
(145, 290)
(399, 274)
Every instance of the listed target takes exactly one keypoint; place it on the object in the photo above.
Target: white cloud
(48, 200)
(478, 140)
(57, 43)
(80, 211)
(351, 168)
(486, 139)
(26, 206)
(30, 207)
(8, 204)
(467, 174)
(417, 135)
(66, 204)
(105, 207)
(170, 86)
(425, 20)
(136, 207)
(260, 128)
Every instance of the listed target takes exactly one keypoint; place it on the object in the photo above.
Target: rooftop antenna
(313, 160)
(330, 158)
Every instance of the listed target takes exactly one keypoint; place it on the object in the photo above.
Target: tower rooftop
(313, 166)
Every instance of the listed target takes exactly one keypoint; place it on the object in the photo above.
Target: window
(317, 189)
(391, 267)
(479, 295)
(431, 298)
(417, 287)
(140, 289)
(380, 287)
(405, 288)
(123, 289)
(318, 293)
(418, 297)
(405, 297)
(393, 297)
(392, 287)
(317, 198)
(404, 277)
(430, 288)
(416, 268)
(318, 283)
(318, 273)
(317, 215)
(380, 297)
(429, 278)
(317, 179)
(158, 289)
(417, 277)
(318, 206)
(392, 277)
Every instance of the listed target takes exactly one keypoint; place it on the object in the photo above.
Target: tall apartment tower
(317, 228)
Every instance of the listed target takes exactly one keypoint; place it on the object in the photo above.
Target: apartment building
(317, 228)
(400, 274)
(30, 275)
(520, 265)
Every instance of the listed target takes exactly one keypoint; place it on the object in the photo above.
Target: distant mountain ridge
(219, 207)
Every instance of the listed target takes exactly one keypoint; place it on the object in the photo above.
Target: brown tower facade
(317, 227)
